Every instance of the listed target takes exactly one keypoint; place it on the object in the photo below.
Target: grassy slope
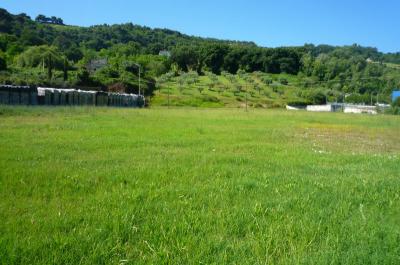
(110, 186)
(225, 94)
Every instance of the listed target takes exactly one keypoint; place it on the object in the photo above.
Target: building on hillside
(165, 53)
(395, 95)
(97, 64)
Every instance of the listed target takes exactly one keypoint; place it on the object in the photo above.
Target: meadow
(198, 186)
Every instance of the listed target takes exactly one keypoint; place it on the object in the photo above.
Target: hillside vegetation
(46, 52)
(257, 89)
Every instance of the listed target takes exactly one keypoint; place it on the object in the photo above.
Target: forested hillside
(44, 51)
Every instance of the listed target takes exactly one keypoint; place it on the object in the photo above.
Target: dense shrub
(299, 103)
(316, 97)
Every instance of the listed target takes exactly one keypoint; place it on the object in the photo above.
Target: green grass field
(198, 186)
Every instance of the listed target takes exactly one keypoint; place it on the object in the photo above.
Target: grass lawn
(198, 186)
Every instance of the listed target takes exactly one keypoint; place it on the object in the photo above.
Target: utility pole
(138, 66)
(169, 92)
(139, 79)
(65, 69)
(246, 98)
(50, 67)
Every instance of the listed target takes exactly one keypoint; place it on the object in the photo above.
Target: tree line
(34, 44)
(50, 20)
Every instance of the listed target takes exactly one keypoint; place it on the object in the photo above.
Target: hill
(46, 52)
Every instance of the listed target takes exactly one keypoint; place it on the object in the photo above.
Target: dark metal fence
(29, 95)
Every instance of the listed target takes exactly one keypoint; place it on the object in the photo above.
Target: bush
(358, 98)
(267, 80)
(283, 81)
(209, 98)
(37, 55)
(396, 103)
(317, 97)
(117, 87)
(299, 103)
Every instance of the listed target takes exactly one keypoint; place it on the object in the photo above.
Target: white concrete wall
(360, 109)
(323, 108)
(294, 108)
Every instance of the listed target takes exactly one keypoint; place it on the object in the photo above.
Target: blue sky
(267, 23)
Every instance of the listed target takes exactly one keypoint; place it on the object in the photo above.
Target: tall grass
(185, 186)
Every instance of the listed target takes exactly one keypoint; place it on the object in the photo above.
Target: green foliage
(396, 103)
(44, 55)
(51, 20)
(3, 62)
(85, 80)
(283, 81)
(299, 103)
(358, 98)
(316, 97)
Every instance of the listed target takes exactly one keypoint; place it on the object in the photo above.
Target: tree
(50, 66)
(6, 21)
(74, 54)
(213, 57)
(41, 18)
(59, 21)
(258, 88)
(320, 67)
(317, 97)
(186, 57)
(30, 38)
(3, 63)
(233, 59)
(53, 20)
(200, 89)
(307, 62)
(39, 55)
